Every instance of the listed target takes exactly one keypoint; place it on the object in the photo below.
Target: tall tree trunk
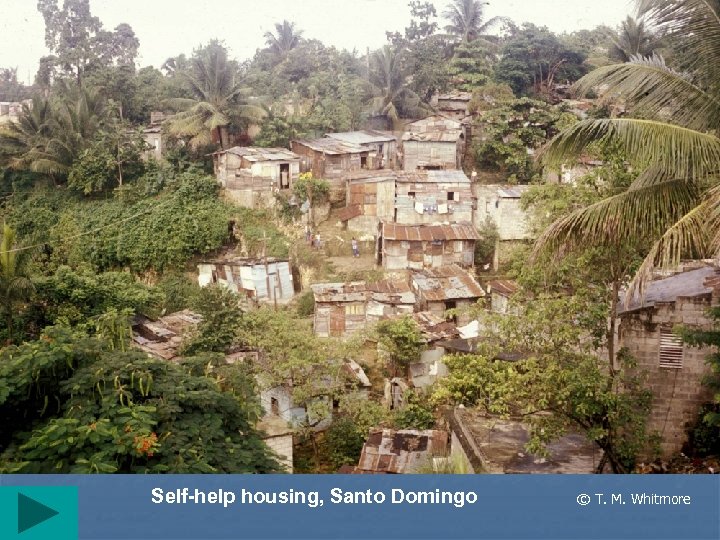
(612, 325)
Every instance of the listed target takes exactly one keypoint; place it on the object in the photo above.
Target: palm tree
(675, 201)
(15, 284)
(390, 85)
(467, 19)
(632, 40)
(23, 144)
(285, 39)
(217, 102)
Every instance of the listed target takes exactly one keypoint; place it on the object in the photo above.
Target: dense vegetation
(96, 233)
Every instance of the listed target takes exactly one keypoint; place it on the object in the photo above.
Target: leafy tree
(705, 436)
(351, 425)
(220, 311)
(123, 412)
(10, 88)
(416, 413)
(76, 297)
(79, 42)
(511, 133)
(115, 155)
(467, 19)
(471, 64)
(402, 342)
(533, 59)
(15, 283)
(670, 136)
(559, 385)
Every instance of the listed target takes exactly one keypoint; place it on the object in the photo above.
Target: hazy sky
(167, 28)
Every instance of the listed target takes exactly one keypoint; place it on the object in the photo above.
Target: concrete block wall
(283, 447)
(677, 393)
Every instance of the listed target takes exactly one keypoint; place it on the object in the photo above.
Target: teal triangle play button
(31, 513)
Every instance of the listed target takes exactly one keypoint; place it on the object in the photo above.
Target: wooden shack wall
(433, 194)
(401, 254)
(421, 154)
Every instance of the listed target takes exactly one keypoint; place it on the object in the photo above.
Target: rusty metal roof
(428, 233)
(349, 212)
(433, 129)
(446, 283)
(365, 136)
(256, 154)
(387, 451)
(332, 146)
(435, 328)
(505, 287)
(455, 95)
(163, 338)
(369, 176)
(385, 291)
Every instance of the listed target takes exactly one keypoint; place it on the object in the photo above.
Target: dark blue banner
(366, 507)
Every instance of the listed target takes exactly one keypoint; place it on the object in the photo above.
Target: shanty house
(153, 138)
(433, 197)
(259, 280)
(382, 146)
(425, 246)
(251, 175)
(674, 370)
(435, 330)
(500, 291)
(446, 287)
(163, 339)
(501, 205)
(344, 308)
(370, 200)
(455, 104)
(432, 143)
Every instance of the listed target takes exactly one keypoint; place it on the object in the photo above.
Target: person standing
(355, 249)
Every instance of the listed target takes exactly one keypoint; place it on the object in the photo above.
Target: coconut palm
(467, 19)
(218, 102)
(634, 39)
(390, 84)
(15, 283)
(673, 138)
(23, 143)
(285, 39)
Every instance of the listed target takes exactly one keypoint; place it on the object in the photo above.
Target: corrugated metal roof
(366, 136)
(387, 451)
(455, 95)
(386, 291)
(332, 146)
(370, 176)
(163, 337)
(235, 260)
(435, 328)
(426, 233)
(446, 283)
(349, 212)
(514, 192)
(433, 136)
(686, 284)
(505, 287)
(256, 154)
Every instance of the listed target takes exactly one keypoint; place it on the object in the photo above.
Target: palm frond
(659, 91)
(694, 235)
(681, 152)
(696, 25)
(643, 212)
